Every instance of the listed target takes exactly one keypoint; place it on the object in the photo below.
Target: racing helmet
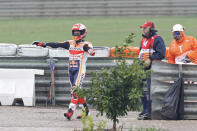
(79, 31)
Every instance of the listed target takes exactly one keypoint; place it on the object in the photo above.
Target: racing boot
(69, 114)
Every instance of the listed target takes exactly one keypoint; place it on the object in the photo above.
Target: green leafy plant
(120, 49)
(89, 125)
(129, 39)
(116, 90)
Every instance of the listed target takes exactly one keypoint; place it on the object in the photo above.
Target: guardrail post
(180, 70)
(51, 98)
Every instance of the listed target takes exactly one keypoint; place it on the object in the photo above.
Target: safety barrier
(60, 52)
(32, 51)
(7, 49)
(128, 52)
(162, 78)
(163, 75)
(18, 84)
(28, 50)
(62, 84)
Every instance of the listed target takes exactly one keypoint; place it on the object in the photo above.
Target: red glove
(91, 52)
(37, 43)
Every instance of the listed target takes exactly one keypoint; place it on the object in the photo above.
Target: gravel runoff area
(19, 118)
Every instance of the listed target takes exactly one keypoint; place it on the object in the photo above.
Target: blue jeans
(145, 99)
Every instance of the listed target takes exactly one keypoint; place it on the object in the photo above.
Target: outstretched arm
(64, 45)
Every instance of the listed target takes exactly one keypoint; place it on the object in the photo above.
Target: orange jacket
(178, 50)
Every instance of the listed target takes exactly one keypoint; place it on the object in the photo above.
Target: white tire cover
(32, 51)
(101, 51)
(59, 52)
(7, 49)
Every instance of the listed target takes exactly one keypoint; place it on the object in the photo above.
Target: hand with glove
(186, 60)
(91, 52)
(38, 43)
(147, 64)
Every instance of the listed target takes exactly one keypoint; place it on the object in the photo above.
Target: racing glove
(38, 43)
(91, 52)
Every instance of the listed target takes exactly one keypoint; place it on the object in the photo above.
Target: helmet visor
(77, 32)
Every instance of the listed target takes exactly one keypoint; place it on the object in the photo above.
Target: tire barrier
(32, 51)
(58, 52)
(7, 49)
(129, 52)
(101, 51)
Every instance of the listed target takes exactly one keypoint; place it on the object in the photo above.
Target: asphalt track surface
(19, 118)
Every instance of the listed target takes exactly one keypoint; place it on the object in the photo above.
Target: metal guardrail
(163, 76)
(62, 83)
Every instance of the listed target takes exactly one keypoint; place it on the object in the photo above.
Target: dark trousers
(145, 99)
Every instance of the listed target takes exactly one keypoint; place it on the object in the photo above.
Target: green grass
(102, 31)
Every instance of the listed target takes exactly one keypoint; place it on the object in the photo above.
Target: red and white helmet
(79, 31)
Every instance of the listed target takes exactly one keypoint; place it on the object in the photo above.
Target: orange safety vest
(179, 50)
